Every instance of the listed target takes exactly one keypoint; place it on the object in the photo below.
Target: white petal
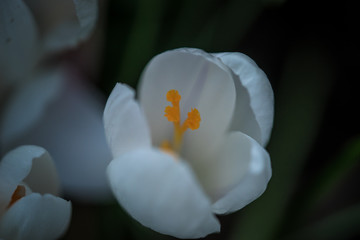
(68, 30)
(254, 99)
(241, 175)
(31, 164)
(161, 193)
(72, 130)
(203, 82)
(18, 40)
(43, 177)
(36, 217)
(125, 126)
(27, 104)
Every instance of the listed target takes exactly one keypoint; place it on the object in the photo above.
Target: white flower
(31, 29)
(61, 113)
(47, 105)
(25, 214)
(170, 178)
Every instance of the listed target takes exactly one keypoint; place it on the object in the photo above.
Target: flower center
(172, 113)
(18, 193)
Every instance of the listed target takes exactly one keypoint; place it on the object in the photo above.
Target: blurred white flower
(31, 29)
(170, 178)
(50, 104)
(59, 112)
(25, 214)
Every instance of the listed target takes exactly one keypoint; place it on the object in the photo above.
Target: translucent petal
(125, 126)
(254, 111)
(36, 217)
(240, 174)
(30, 164)
(64, 23)
(162, 193)
(71, 128)
(203, 82)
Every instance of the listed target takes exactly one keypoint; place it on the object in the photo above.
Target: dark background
(309, 51)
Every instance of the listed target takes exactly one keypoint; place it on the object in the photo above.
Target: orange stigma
(172, 113)
(18, 194)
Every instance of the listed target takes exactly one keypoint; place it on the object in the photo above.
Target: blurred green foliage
(155, 26)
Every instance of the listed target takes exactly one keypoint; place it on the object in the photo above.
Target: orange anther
(173, 96)
(173, 115)
(193, 120)
(18, 194)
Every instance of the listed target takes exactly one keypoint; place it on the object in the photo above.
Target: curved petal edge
(260, 93)
(162, 193)
(125, 126)
(36, 217)
(31, 164)
(254, 180)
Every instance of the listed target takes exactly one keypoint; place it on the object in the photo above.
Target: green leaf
(208, 25)
(141, 41)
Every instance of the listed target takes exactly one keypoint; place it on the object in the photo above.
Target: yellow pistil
(172, 113)
(18, 194)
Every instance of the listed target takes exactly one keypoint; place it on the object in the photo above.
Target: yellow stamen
(166, 147)
(172, 113)
(18, 193)
(173, 96)
(193, 120)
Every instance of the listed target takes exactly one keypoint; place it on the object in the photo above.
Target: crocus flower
(48, 103)
(25, 214)
(32, 29)
(66, 119)
(193, 146)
